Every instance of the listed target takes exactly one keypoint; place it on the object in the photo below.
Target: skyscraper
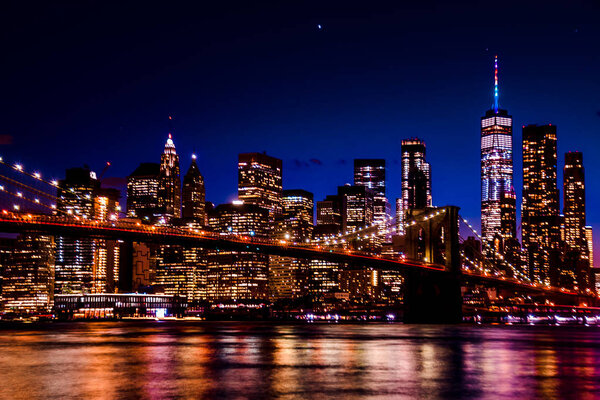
(106, 256)
(75, 257)
(540, 222)
(329, 211)
(371, 173)
(194, 209)
(496, 165)
(259, 181)
(169, 183)
(574, 202)
(288, 276)
(235, 276)
(416, 179)
(574, 220)
(28, 275)
(142, 191)
(357, 206)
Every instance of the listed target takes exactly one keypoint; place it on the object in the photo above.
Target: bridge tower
(430, 296)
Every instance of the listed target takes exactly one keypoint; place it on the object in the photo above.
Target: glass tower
(496, 164)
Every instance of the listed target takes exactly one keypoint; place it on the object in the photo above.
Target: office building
(329, 212)
(575, 240)
(416, 179)
(371, 174)
(28, 275)
(288, 276)
(356, 206)
(259, 181)
(296, 220)
(232, 277)
(496, 166)
(75, 257)
(194, 208)
(540, 221)
(169, 184)
(142, 191)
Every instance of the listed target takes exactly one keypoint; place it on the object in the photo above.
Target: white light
(19, 167)
(37, 175)
(54, 183)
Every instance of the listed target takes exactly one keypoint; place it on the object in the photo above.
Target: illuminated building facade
(238, 277)
(575, 240)
(508, 216)
(106, 252)
(194, 208)
(169, 184)
(259, 181)
(496, 165)
(75, 257)
(288, 276)
(371, 173)
(416, 178)
(142, 191)
(540, 222)
(329, 213)
(574, 202)
(178, 270)
(589, 236)
(296, 220)
(363, 286)
(28, 275)
(356, 206)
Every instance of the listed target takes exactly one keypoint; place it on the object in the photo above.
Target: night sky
(87, 82)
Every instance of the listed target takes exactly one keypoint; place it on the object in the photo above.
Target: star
(319, 27)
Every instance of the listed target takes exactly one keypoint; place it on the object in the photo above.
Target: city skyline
(296, 101)
(308, 199)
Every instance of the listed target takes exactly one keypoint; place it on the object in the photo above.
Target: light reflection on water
(263, 360)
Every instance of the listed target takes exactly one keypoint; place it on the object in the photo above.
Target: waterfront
(151, 359)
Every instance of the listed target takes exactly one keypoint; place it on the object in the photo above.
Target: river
(150, 359)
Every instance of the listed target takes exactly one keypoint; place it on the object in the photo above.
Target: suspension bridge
(435, 264)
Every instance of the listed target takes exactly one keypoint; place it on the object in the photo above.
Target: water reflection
(259, 360)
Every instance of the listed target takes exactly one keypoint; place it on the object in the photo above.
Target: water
(150, 359)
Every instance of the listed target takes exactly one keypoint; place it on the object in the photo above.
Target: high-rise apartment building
(496, 166)
(371, 174)
(540, 221)
(142, 191)
(75, 256)
(169, 184)
(194, 208)
(259, 181)
(416, 179)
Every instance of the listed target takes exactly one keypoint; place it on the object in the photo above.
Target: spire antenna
(496, 84)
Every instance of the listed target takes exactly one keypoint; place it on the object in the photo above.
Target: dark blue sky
(93, 82)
